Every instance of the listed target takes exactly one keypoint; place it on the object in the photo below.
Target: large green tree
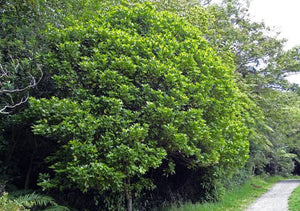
(136, 87)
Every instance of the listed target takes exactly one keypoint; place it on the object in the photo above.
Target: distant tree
(282, 114)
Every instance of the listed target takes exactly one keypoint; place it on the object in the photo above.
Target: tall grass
(294, 200)
(238, 198)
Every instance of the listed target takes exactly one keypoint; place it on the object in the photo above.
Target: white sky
(282, 14)
(294, 78)
(285, 16)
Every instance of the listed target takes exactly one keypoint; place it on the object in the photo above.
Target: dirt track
(276, 199)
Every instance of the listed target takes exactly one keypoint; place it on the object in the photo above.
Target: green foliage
(260, 65)
(33, 199)
(294, 200)
(25, 202)
(19, 43)
(259, 56)
(135, 86)
(281, 111)
(10, 205)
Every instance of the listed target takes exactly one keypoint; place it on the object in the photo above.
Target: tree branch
(23, 100)
(33, 83)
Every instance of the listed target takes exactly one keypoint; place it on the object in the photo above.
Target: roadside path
(276, 199)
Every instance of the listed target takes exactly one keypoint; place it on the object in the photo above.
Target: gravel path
(276, 199)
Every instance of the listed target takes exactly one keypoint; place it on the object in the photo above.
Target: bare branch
(32, 84)
(3, 71)
(23, 100)
(9, 92)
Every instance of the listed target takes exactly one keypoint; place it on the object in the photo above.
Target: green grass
(294, 200)
(235, 199)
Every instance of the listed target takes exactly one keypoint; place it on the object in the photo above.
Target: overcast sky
(285, 16)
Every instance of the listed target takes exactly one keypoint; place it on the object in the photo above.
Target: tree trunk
(128, 195)
(27, 180)
(11, 149)
(28, 175)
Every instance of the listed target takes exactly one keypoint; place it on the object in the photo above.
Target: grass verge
(294, 200)
(235, 199)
